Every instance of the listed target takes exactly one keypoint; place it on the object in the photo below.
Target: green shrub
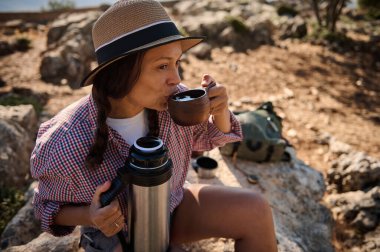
(237, 24)
(337, 37)
(15, 100)
(22, 44)
(11, 200)
(60, 5)
(286, 10)
(323, 33)
(369, 4)
(372, 7)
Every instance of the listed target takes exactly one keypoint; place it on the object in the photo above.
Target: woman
(78, 151)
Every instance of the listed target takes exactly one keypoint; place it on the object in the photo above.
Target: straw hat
(133, 25)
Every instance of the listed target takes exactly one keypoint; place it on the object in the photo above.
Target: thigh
(217, 211)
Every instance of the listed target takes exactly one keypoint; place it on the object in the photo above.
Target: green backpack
(262, 138)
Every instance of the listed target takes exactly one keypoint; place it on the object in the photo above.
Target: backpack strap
(235, 148)
(270, 151)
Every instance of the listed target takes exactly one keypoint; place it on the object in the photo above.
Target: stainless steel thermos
(147, 176)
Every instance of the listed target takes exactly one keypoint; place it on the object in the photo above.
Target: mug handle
(212, 84)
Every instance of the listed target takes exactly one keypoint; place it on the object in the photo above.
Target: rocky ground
(319, 93)
(315, 90)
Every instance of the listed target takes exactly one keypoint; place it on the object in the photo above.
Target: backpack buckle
(271, 123)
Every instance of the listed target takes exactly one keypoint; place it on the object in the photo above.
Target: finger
(218, 100)
(112, 225)
(118, 219)
(99, 190)
(112, 209)
(217, 91)
(206, 80)
(109, 218)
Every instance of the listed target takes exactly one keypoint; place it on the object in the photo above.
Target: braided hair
(115, 81)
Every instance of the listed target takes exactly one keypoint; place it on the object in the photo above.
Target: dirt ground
(315, 90)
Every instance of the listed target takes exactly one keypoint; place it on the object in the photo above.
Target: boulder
(353, 171)
(354, 186)
(70, 49)
(240, 24)
(208, 24)
(293, 28)
(23, 227)
(17, 124)
(5, 48)
(293, 190)
(202, 51)
(46, 242)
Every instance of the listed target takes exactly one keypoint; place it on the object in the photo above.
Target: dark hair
(115, 81)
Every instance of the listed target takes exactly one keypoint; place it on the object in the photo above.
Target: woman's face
(158, 78)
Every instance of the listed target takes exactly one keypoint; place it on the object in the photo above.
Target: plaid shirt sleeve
(54, 188)
(207, 136)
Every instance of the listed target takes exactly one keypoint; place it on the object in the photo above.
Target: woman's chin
(161, 107)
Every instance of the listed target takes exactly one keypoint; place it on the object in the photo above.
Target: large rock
(208, 24)
(23, 227)
(5, 48)
(293, 28)
(17, 125)
(70, 49)
(294, 191)
(354, 186)
(353, 171)
(48, 243)
(241, 24)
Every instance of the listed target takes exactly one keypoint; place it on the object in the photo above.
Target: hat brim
(186, 44)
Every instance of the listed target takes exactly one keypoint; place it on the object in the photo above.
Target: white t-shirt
(131, 128)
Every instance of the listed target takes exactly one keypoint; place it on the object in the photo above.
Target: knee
(257, 207)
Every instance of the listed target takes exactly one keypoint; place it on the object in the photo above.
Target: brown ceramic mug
(190, 107)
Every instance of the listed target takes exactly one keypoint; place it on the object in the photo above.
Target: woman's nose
(174, 78)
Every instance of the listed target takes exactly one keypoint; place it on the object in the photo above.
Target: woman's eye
(178, 62)
(163, 67)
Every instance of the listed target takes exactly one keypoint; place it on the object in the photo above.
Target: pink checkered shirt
(63, 142)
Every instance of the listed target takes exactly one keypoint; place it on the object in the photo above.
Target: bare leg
(219, 211)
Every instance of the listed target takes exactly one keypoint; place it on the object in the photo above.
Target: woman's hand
(217, 94)
(108, 219)
(218, 103)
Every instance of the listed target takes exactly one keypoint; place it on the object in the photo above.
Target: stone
(293, 28)
(16, 143)
(202, 51)
(293, 190)
(23, 227)
(70, 49)
(5, 48)
(47, 242)
(354, 187)
(25, 115)
(354, 171)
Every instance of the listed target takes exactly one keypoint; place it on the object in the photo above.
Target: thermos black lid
(148, 162)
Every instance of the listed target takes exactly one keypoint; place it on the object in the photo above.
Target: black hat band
(135, 40)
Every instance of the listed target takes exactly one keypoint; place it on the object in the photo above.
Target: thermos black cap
(148, 163)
